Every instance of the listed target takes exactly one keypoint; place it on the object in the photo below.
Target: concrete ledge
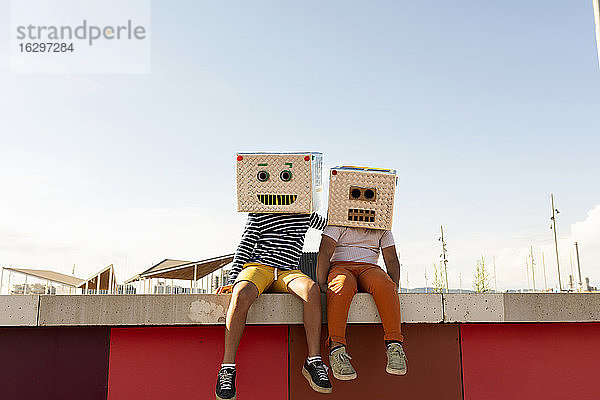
(206, 309)
(470, 307)
(210, 309)
(132, 310)
(414, 307)
(19, 310)
(557, 307)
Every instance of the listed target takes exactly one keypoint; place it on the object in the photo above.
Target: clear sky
(484, 108)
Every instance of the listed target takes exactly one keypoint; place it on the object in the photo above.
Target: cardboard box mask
(279, 182)
(361, 197)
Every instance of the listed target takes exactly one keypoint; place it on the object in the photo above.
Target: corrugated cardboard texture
(341, 204)
(273, 194)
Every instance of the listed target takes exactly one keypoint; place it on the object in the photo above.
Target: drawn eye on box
(279, 182)
(364, 194)
(361, 197)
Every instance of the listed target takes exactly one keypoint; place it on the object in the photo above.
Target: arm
(390, 257)
(325, 252)
(317, 222)
(245, 248)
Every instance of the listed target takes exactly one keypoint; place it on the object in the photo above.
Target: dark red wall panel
(182, 362)
(54, 363)
(531, 361)
(433, 365)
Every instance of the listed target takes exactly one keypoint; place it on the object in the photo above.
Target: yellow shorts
(263, 277)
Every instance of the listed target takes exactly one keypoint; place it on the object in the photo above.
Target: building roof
(56, 277)
(167, 263)
(184, 270)
(104, 276)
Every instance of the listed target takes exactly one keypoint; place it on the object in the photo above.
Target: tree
(481, 279)
(438, 279)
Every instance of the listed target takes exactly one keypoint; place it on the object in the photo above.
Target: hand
(227, 289)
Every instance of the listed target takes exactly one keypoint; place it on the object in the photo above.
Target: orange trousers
(343, 282)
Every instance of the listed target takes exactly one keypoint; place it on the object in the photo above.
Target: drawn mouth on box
(277, 199)
(357, 214)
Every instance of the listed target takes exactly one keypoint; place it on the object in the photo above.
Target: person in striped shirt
(268, 258)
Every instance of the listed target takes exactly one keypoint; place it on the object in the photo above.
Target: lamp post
(544, 266)
(443, 255)
(532, 268)
(578, 266)
(553, 227)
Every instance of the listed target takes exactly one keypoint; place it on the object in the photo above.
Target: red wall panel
(182, 362)
(53, 363)
(433, 365)
(531, 361)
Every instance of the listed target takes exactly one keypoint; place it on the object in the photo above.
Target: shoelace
(321, 369)
(226, 379)
(397, 349)
(344, 356)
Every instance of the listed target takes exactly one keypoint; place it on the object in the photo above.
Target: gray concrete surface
(472, 307)
(556, 307)
(19, 310)
(414, 307)
(210, 309)
(110, 310)
(205, 309)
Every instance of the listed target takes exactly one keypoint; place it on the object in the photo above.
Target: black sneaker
(226, 384)
(316, 374)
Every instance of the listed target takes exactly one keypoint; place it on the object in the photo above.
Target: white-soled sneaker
(226, 384)
(340, 364)
(315, 373)
(396, 363)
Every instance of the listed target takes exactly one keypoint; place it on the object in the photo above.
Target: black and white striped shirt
(274, 240)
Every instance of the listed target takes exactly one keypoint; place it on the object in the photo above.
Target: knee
(313, 293)
(384, 286)
(343, 288)
(244, 297)
(389, 283)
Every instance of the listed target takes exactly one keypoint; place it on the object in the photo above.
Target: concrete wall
(433, 352)
(522, 307)
(459, 346)
(530, 361)
(54, 363)
(19, 310)
(209, 309)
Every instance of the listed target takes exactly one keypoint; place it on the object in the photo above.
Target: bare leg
(309, 292)
(244, 294)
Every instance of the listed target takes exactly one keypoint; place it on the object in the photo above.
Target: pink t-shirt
(358, 245)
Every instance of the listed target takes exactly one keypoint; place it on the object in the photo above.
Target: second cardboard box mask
(361, 197)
